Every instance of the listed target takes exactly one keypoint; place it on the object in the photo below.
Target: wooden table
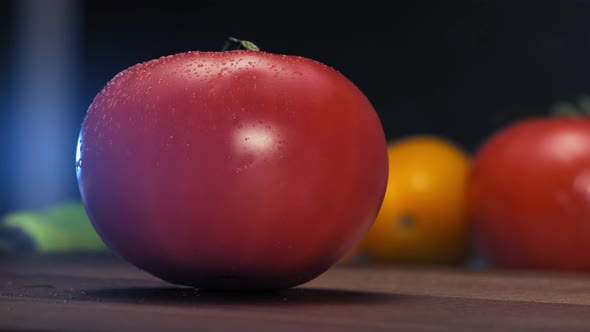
(101, 293)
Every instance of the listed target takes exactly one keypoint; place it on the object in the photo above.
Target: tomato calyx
(569, 109)
(233, 43)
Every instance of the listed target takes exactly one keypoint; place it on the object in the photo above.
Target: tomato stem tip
(238, 44)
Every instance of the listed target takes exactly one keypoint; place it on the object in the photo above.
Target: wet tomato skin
(232, 170)
(529, 194)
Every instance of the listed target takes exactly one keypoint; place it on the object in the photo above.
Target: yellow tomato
(423, 216)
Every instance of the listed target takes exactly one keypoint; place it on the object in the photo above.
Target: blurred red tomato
(234, 169)
(529, 194)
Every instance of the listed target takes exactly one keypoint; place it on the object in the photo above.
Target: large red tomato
(235, 169)
(530, 195)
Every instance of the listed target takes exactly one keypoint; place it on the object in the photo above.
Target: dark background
(459, 69)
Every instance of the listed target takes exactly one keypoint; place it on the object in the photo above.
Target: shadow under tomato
(184, 296)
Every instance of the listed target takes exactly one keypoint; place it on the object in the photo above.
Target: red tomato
(237, 169)
(530, 195)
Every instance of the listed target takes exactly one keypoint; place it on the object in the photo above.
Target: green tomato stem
(238, 44)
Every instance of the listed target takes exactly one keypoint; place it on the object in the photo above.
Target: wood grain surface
(101, 293)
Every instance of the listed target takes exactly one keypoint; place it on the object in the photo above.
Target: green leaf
(62, 228)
